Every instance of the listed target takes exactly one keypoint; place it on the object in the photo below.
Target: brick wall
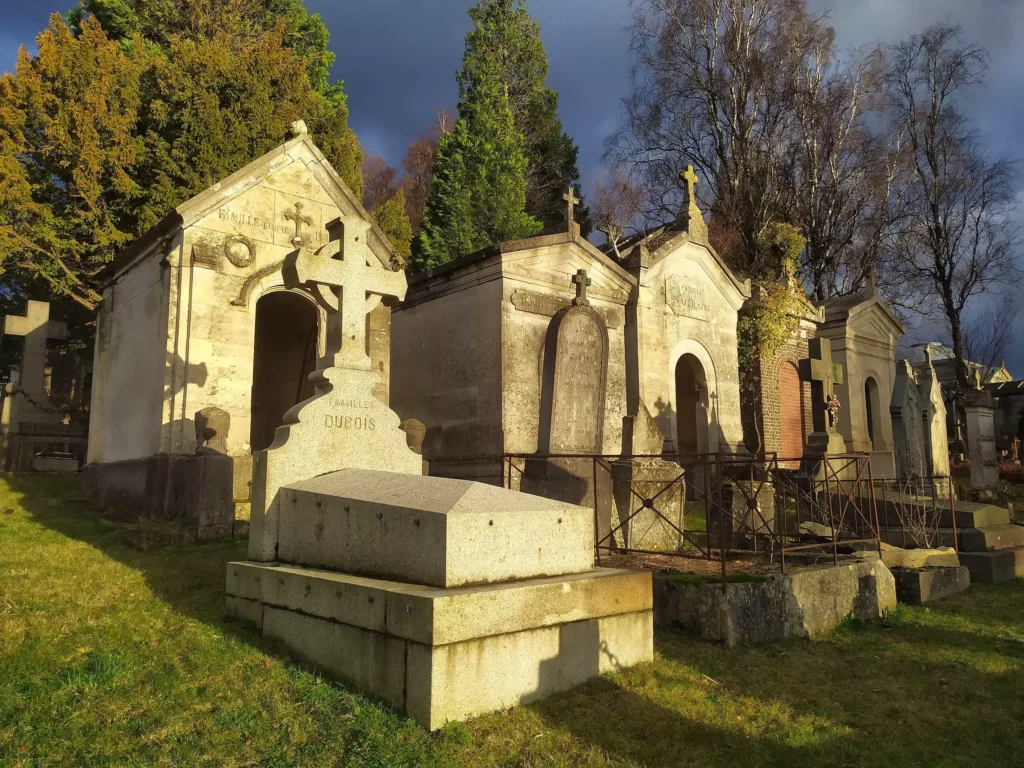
(763, 403)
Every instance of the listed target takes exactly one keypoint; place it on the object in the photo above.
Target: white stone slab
(440, 616)
(430, 530)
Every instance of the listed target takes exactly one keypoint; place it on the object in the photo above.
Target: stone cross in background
(689, 214)
(37, 328)
(582, 281)
(349, 287)
(823, 375)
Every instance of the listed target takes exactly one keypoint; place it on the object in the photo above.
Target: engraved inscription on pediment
(548, 305)
(687, 297)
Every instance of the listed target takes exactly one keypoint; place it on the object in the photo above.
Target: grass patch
(115, 656)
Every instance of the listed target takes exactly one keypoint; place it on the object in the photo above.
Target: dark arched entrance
(691, 406)
(872, 411)
(283, 357)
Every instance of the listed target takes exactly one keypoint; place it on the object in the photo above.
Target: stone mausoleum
(549, 345)
(196, 316)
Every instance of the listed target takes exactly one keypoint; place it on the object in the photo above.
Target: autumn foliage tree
(102, 132)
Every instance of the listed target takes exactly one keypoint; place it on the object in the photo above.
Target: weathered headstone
(343, 424)
(979, 408)
(908, 430)
(936, 438)
(212, 425)
(581, 368)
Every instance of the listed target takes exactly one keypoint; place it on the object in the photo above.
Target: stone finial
(298, 128)
(869, 287)
(689, 214)
(928, 354)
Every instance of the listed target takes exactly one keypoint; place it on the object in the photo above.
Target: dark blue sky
(398, 59)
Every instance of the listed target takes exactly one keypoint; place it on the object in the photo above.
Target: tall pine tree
(478, 195)
(103, 132)
(502, 79)
(507, 38)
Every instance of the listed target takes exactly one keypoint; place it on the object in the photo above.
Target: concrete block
(429, 530)
(804, 604)
(440, 616)
(370, 661)
(916, 586)
(996, 566)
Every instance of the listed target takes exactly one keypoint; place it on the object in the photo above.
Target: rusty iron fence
(918, 511)
(715, 507)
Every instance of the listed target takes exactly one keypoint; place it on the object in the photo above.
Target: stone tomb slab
(430, 530)
(449, 654)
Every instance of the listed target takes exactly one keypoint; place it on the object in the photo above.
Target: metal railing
(715, 507)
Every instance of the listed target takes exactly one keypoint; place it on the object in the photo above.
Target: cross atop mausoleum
(299, 219)
(582, 281)
(691, 180)
(349, 281)
(571, 200)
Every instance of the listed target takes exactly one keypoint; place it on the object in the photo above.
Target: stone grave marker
(342, 424)
(581, 365)
(823, 375)
(906, 411)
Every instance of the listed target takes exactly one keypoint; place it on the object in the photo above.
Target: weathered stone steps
(995, 566)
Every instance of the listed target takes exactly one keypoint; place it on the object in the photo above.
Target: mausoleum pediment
(554, 266)
(255, 215)
(695, 283)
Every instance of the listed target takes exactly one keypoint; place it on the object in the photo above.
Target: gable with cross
(571, 201)
(349, 282)
(689, 213)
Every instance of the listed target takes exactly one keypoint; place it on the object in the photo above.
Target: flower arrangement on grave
(833, 405)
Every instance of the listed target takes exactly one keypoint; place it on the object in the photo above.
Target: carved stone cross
(691, 180)
(572, 200)
(582, 281)
(299, 219)
(37, 327)
(823, 375)
(350, 286)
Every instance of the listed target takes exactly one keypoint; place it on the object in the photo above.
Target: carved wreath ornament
(239, 250)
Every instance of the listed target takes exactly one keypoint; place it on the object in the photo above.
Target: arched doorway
(872, 412)
(691, 406)
(791, 412)
(283, 357)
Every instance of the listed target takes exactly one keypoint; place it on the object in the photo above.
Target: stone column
(979, 408)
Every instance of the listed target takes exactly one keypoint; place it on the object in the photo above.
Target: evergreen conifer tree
(501, 171)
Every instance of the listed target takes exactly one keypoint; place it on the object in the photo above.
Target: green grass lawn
(114, 656)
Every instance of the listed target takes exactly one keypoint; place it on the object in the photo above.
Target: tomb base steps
(441, 654)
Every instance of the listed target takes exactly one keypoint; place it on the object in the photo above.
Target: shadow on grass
(190, 577)
(893, 693)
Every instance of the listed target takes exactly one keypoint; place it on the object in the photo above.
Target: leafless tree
(418, 164)
(619, 205)
(713, 86)
(988, 333)
(846, 191)
(961, 238)
(379, 182)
